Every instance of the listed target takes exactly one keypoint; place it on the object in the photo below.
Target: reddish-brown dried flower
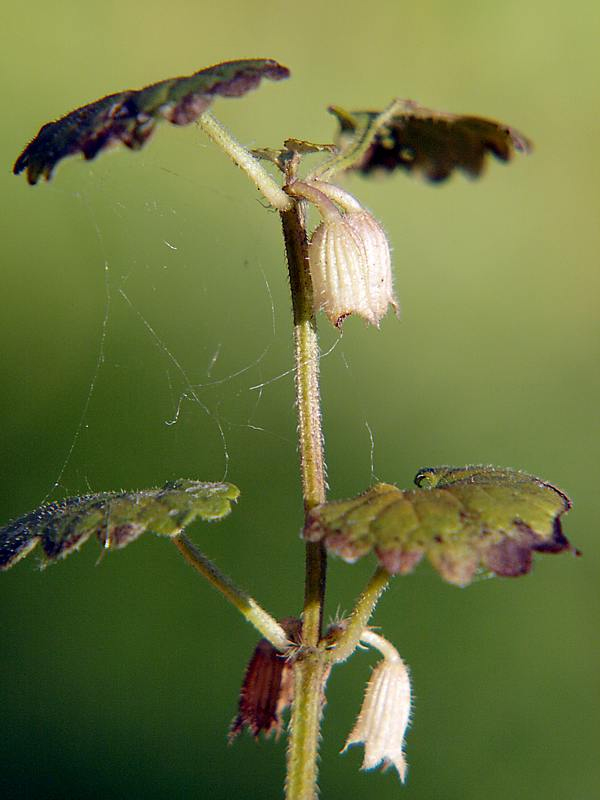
(267, 689)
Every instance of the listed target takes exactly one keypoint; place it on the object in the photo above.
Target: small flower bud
(349, 257)
(384, 716)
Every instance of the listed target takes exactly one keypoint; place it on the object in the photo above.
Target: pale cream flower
(384, 715)
(349, 256)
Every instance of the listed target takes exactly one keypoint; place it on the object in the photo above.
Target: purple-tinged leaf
(115, 518)
(131, 116)
(462, 518)
(430, 143)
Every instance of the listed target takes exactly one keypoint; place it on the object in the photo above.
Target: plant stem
(308, 403)
(259, 176)
(306, 357)
(254, 613)
(387, 649)
(310, 667)
(354, 630)
(305, 723)
(311, 664)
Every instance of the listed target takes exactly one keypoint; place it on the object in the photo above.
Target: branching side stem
(360, 616)
(246, 605)
(364, 135)
(259, 176)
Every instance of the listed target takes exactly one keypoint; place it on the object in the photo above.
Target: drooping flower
(349, 256)
(385, 712)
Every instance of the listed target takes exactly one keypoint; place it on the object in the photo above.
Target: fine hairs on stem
(464, 520)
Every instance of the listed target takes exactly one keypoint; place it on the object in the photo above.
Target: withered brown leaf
(430, 143)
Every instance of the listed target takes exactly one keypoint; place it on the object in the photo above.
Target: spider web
(190, 390)
(217, 399)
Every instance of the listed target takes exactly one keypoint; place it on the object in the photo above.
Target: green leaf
(131, 116)
(431, 143)
(463, 518)
(302, 146)
(116, 518)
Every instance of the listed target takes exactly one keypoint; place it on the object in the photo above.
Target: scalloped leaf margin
(430, 143)
(130, 116)
(116, 518)
(464, 519)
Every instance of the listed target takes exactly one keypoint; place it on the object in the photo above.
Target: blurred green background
(120, 680)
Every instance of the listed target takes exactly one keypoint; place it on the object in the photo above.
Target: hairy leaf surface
(116, 518)
(430, 143)
(131, 116)
(462, 518)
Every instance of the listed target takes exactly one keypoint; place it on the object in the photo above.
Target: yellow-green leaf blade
(463, 519)
(115, 518)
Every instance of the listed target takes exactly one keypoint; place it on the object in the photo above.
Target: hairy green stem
(308, 406)
(347, 642)
(259, 176)
(310, 667)
(306, 357)
(303, 748)
(247, 605)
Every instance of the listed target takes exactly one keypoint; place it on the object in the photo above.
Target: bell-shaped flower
(349, 256)
(384, 715)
